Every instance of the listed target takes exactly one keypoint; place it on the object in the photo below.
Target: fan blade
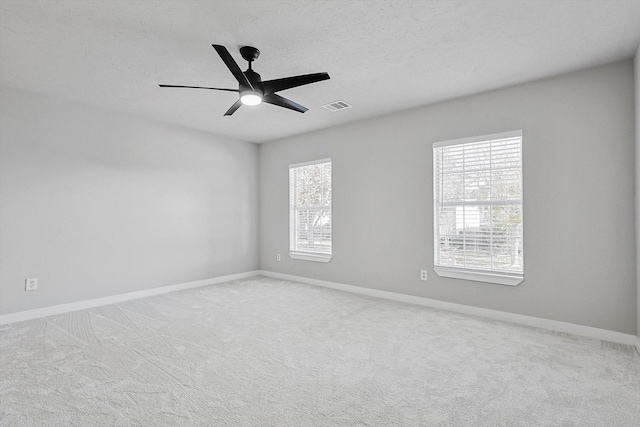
(274, 99)
(232, 65)
(233, 108)
(271, 86)
(200, 87)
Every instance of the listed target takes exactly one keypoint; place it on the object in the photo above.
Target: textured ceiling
(383, 56)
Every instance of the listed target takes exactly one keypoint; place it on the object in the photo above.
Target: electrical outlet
(277, 257)
(31, 284)
(423, 275)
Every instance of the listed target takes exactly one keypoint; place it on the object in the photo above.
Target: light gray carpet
(264, 352)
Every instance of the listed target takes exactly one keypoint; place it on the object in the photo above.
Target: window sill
(306, 256)
(480, 276)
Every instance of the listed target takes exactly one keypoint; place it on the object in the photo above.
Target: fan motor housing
(252, 76)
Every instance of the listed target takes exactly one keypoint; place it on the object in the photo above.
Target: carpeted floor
(265, 352)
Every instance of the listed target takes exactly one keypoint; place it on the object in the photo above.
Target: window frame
(293, 252)
(466, 273)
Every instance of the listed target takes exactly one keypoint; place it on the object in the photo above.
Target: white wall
(578, 148)
(96, 203)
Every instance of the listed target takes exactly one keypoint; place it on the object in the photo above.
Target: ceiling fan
(252, 89)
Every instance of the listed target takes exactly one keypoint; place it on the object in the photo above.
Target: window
(477, 199)
(310, 211)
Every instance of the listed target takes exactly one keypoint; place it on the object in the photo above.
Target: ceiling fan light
(250, 98)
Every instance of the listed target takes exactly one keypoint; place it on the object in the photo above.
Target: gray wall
(96, 203)
(637, 120)
(578, 188)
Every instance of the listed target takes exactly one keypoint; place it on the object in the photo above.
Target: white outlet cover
(31, 284)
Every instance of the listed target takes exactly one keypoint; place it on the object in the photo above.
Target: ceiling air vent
(337, 106)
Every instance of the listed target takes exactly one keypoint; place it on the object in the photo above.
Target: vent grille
(337, 106)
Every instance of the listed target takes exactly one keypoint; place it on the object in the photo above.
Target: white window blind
(477, 190)
(310, 210)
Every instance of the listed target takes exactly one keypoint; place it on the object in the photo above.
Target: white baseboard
(82, 305)
(552, 325)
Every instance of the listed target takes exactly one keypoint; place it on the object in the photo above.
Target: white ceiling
(382, 56)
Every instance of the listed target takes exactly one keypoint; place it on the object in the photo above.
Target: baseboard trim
(82, 305)
(536, 322)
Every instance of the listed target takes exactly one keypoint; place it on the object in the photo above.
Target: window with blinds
(477, 191)
(310, 210)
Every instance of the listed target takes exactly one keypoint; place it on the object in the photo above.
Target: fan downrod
(249, 53)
